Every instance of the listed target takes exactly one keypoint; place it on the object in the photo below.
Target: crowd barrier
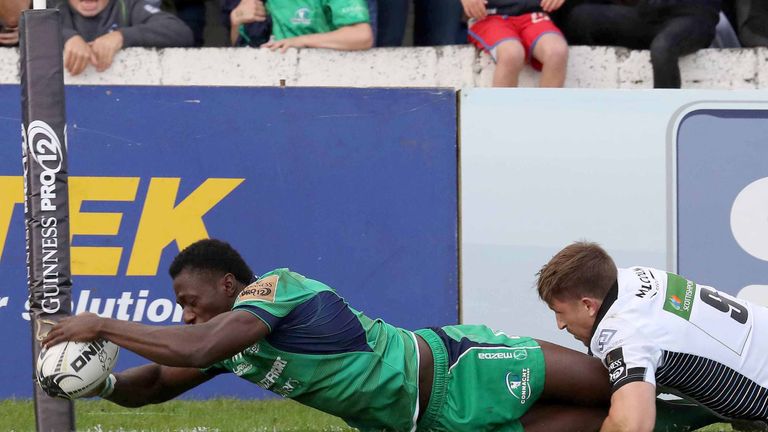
(457, 67)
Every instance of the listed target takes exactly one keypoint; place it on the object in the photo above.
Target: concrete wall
(452, 66)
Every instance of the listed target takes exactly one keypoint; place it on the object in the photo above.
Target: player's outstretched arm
(191, 346)
(153, 383)
(633, 409)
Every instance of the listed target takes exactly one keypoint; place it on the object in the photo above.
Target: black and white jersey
(688, 339)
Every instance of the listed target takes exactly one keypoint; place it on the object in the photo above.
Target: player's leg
(573, 378)
(544, 417)
(551, 51)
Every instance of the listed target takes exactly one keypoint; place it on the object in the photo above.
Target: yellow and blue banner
(353, 187)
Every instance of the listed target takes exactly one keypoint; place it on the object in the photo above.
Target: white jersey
(688, 339)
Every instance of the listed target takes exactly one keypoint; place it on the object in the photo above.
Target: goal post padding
(46, 207)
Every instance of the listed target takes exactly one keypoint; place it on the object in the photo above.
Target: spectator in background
(436, 22)
(334, 24)
(192, 12)
(513, 31)
(10, 12)
(248, 22)
(669, 28)
(751, 22)
(95, 30)
(247, 26)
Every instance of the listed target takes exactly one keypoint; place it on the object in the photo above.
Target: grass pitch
(222, 415)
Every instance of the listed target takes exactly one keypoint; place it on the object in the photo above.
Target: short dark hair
(580, 269)
(212, 255)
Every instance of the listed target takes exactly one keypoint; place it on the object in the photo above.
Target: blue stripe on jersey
(323, 324)
(456, 348)
(265, 316)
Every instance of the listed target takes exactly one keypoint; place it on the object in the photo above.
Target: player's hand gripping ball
(71, 370)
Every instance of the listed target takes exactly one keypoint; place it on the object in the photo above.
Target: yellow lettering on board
(163, 222)
(97, 260)
(11, 193)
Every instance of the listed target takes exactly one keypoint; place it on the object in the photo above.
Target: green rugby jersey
(300, 17)
(326, 355)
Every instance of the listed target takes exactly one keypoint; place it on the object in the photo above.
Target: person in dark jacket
(95, 30)
(670, 29)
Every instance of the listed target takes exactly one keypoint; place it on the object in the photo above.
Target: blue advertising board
(353, 187)
(722, 198)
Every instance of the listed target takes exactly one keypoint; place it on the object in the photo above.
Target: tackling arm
(190, 346)
(633, 409)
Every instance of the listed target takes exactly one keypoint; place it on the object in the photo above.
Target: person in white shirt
(655, 331)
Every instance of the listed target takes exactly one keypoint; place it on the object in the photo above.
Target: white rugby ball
(71, 369)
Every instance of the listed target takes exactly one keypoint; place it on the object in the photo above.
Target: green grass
(193, 416)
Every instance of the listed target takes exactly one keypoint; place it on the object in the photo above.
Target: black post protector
(46, 201)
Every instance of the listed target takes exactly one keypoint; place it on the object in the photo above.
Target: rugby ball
(71, 369)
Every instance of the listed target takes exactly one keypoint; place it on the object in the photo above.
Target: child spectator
(334, 24)
(249, 24)
(516, 31)
(95, 30)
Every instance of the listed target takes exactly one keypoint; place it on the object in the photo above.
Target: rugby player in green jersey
(298, 338)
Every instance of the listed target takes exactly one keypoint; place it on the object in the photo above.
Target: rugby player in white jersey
(656, 331)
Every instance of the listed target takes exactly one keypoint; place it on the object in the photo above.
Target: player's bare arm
(153, 383)
(195, 346)
(633, 408)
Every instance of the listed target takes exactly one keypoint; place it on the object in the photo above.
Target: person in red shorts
(514, 32)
